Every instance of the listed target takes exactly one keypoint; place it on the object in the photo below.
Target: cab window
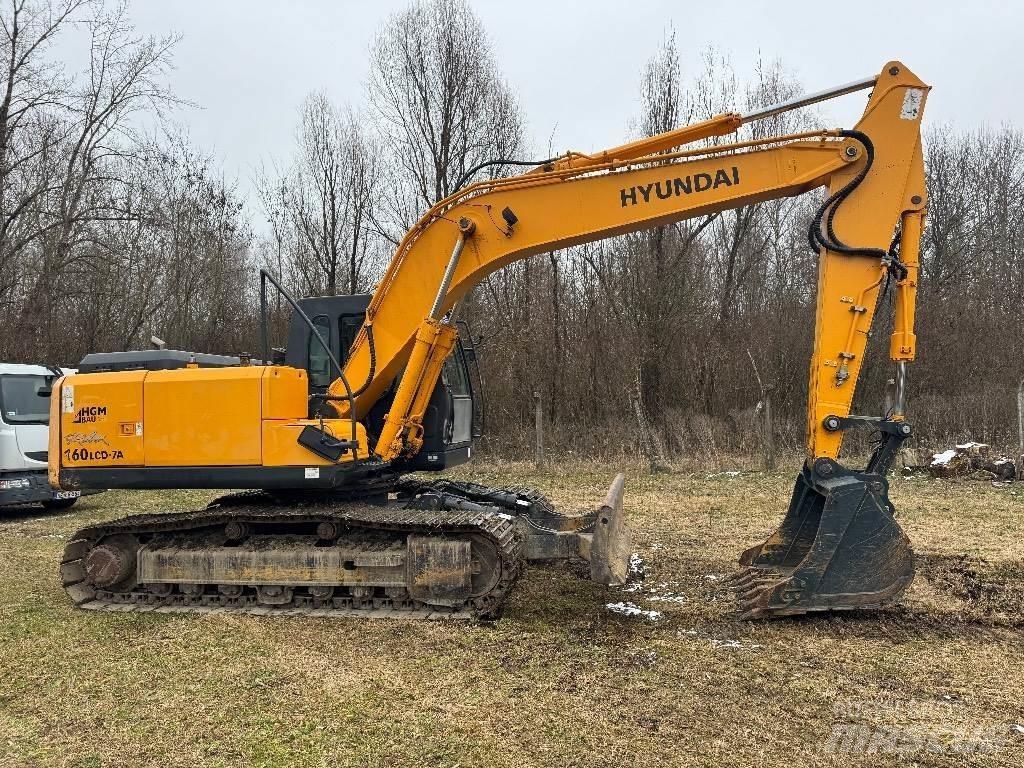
(319, 361)
(455, 374)
(348, 328)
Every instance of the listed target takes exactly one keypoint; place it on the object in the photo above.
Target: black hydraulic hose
(469, 174)
(264, 276)
(827, 211)
(373, 362)
(369, 374)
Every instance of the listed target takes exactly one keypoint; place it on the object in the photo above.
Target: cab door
(459, 425)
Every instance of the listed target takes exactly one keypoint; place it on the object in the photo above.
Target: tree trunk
(538, 423)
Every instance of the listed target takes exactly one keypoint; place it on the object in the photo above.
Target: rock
(908, 458)
(1003, 469)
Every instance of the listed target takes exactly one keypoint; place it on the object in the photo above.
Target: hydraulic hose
(373, 362)
(827, 213)
(487, 164)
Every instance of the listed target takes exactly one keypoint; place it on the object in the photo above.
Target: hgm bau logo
(89, 414)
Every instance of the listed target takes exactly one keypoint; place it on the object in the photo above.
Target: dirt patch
(990, 588)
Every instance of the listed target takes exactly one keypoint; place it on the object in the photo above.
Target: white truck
(24, 434)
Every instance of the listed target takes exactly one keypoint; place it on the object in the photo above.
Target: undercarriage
(419, 549)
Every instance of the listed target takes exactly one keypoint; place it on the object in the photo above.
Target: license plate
(67, 494)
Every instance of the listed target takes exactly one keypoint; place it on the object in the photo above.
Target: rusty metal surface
(440, 570)
(288, 560)
(612, 543)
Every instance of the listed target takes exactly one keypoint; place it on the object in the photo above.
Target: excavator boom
(620, 191)
(839, 546)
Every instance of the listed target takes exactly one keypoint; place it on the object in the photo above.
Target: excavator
(324, 436)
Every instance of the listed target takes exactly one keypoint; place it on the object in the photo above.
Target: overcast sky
(576, 66)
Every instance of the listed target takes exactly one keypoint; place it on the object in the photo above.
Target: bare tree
(441, 104)
(33, 109)
(319, 207)
(63, 140)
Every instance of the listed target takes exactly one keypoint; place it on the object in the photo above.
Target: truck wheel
(59, 503)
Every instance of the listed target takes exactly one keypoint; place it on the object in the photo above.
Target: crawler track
(372, 529)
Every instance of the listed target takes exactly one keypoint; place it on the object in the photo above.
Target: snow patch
(732, 645)
(635, 574)
(632, 609)
(728, 644)
(667, 598)
(657, 593)
(942, 459)
(637, 567)
(662, 593)
(1018, 728)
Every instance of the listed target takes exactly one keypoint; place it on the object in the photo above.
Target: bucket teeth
(756, 587)
(751, 575)
(773, 597)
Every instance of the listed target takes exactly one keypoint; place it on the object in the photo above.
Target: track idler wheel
(838, 548)
(111, 563)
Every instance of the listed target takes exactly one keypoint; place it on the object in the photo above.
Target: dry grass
(560, 680)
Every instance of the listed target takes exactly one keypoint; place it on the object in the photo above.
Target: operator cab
(453, 416)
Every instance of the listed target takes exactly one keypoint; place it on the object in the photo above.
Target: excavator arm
(579, 199)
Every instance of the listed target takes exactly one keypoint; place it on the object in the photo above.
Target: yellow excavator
(325, 432)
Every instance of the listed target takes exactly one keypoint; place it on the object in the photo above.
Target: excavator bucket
(838, 548)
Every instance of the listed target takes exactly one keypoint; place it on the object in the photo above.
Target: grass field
(561, 680)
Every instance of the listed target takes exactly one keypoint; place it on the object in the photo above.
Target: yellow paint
(203, 417)
(281, 449)
(903, 344)
(580, 199)
(89, 420)
(285, 392)
(868, 218)
(403, 426)
(244, 416)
